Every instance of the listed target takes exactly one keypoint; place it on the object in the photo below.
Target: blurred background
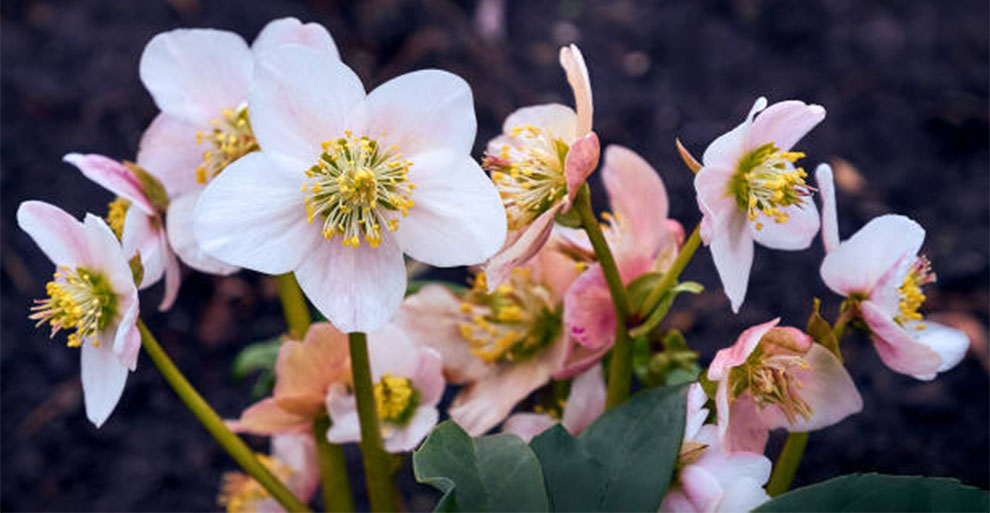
(905, 85)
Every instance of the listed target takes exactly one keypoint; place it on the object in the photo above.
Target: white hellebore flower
(346, 182)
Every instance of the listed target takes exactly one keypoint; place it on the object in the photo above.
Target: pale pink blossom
(199, 79)
(293, 460)
(331, 198)
(709, 478)
(136, 220)
(539, 163)
(748, 189)
(585, 402)
(92, 294)
(777, 377)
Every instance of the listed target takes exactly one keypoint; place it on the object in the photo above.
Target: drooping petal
(732, 252)
(290, 30)
(717, 206)
(784, 124)
(859, 262)
(518, 250)
(142, 234)
(486, 402)
(737, 353)
(728, 148)
(173, 275)
(581, 161)
(527, 425)
(577, 76)
(405, 438)
(589, 317)
(950, 344)
(898, 349)
(744, 428)
(458, 218)
(193, 74)
(578, 358)
(112, 176)
(103, 379)
(559, 119)
(305, 369)
(182, 239)
(637, 195)
(127, 341)
(57, 233)
(794, 234)
(830, 219)
(586, 400)
(299, 453)
(266, 418)
(169, 151)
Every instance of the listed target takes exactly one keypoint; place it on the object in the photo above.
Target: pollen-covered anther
(116, 213)
(79, 300)
(771, 379)
(359, 189)
(230, 139)
(910, 295)
(395, 398)
(766, 181)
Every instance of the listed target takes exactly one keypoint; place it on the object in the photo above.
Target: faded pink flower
(777, 377)
(585, 402)
(542, 158)
(749, 190)
(91, 294)
(199, 78)
(293, 460)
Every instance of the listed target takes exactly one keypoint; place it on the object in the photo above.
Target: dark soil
(905, 85)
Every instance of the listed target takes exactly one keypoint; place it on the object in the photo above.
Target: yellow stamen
(78, 300)
(230, 139)
(395, 398)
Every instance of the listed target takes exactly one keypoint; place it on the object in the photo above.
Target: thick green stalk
(336, 484)
(234, 446)
(787, 463)
(381, 487)
(293, 305)
(670, 277)
(620, 371)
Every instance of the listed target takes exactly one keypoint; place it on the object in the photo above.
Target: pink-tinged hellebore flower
(709, 478)
(91, 294)
(585, 402)
(136, 221)
(331, 198)
(879, 269)
(777, 377)
(200, 78)
(502, 345)
(641, 238)
(749, 189)
(293, 461)
(539, 163)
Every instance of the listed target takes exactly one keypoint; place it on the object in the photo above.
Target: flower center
(239, 492)
(395, 398)
(358, 188)
(766, 181)
(230, 139)
(770, 380)
(513, 323)
(77, 299)
(529, 174)
(116, 213)
(911, 297)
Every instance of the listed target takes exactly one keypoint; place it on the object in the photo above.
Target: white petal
(342, 409)
(728, 148)
(106, 255)
(103, 378)
(140, 235)
(406, 438)
(57, 233)
(784, 124)
(732, 251)
(168, 150)
(179, 226)
(858, 263)
(572, 61)
(950, 344)
(794, 234)
(830, 219)
(292, 31)
(559, 119)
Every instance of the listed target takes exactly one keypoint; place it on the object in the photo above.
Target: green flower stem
(670, 277)
(620, 371)
(336, 485)
(381, 486)
(787, 463)
(234, 446)
(293, 305)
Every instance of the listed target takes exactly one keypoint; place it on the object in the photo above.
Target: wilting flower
(749, 189)
(502, 345)
(92, 294)
(199, 78)
(293, 461)
(880, 271)
(642, 240)
(539, 162)
(708, 477)
(330, 196)
(136, 217)
(777, 377)
(585, 402)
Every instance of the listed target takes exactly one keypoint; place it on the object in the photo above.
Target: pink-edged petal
(420, 112)
(554, 270)
(950, 344)
(300, 97)
(746, 430)
(589, 317)
(559, 119)
(142, 235)
(357, 289)
(59, 235)
(405, 438)
(103, 379)
(173, 276)
(732, 252)
(586, 400)
(784, 124)
(830, 218)
(578, 358)
(728, 148)
(898, 349)
(519, 249)
(794, 234)
(169, 151)
(636, 194)
(342, 409)
(266, 417)
(458, 218)
(298, 451)
(193, 74)
(527, 425)
(737, 353)
(285, 31)
(112, 176)
(181, 237)
(486, 402)
(253, 216)
(572, 61)
(858, 263)
(581, 161)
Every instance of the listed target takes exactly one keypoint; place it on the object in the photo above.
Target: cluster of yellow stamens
(513, 323)
(239, 492)
(529, 173)
(358, 187)
(911, 297)
(230, 139)
(395, 398)
(768, 374)
(766, 181)
(116, 213)
(78, 300)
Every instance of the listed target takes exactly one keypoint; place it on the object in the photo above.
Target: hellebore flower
(199, 79)
(91, 294)
(293, 461)
(585, 402)
(538, 164)
(748, 189)
(709, 478)
(777, 377)
(136, 217)
(331, 198)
